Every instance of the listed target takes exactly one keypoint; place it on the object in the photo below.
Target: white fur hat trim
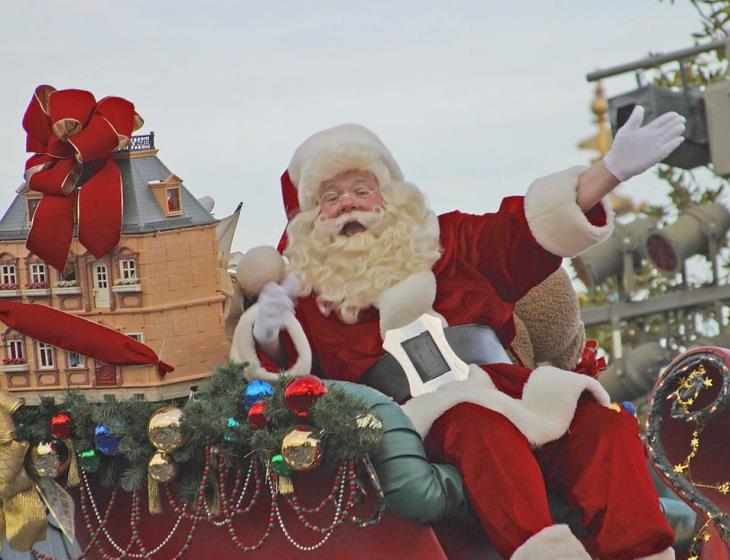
(332, 151)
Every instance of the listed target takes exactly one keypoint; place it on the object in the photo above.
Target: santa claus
(366, 255)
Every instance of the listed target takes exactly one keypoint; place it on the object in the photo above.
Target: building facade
(160, 285)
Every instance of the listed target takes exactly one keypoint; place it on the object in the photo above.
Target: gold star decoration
(686, 395)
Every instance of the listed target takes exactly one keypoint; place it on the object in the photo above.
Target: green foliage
(205, 422)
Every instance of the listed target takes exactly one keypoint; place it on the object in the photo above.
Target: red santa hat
(332, 151)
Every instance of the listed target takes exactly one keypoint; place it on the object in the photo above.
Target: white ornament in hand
(636, 148)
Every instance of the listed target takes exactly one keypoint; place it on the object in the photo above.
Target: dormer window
(168, 194)
(173, 200)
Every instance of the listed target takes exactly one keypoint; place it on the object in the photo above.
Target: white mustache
(333, 226)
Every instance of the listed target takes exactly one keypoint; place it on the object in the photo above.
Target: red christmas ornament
(61, 425)
(256, 415)
(302, 392)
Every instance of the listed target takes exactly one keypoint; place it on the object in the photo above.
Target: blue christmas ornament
(105, 440)
(256, 391)
(629, 407)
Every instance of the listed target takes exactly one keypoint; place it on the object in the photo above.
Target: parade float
(150, 444)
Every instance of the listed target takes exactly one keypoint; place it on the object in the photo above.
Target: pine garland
(205, 420)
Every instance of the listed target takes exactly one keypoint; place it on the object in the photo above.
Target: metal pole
(654, 60)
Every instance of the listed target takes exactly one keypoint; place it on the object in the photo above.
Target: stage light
(697, 231)
(688, 102)
(634, 374)
(619, 255)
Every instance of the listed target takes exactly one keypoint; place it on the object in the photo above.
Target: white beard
(349, 274)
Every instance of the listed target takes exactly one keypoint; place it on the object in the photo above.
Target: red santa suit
(508, 429)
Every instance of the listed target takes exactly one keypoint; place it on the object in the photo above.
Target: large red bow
(71, 133)
(590, 363)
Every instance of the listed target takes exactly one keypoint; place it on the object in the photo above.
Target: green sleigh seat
(430, 492)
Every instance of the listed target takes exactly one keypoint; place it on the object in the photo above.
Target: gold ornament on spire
(601, 142)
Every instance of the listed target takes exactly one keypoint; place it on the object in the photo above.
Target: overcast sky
(474, 98)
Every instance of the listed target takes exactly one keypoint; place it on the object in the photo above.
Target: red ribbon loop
(589, 363)
(68, 129)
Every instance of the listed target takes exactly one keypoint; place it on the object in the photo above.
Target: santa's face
(347, 194)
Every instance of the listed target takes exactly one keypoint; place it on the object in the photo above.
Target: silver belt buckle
(425, 355)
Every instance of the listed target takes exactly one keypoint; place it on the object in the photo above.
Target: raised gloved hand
(636, 148)
(275, 304)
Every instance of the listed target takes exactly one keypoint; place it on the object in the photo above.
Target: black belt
(474, 344)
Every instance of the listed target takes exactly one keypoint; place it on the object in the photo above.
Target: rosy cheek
(328, 213)
(373, 201)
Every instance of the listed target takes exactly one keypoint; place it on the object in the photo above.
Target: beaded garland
(229, 444)
(345, 494)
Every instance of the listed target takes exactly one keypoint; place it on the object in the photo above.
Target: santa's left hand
(636, 148)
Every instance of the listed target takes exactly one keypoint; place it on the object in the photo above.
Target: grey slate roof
(142, 214)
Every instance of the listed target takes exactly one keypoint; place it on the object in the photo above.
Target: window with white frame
(138, 336)
(75, 361)
(15, 350)
(8, 274)
(128, 269)
(45, 356)
(38, 273)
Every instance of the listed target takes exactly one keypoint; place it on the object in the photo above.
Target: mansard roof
(139, 166)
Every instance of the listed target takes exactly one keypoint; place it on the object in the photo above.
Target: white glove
(275, 304)
(636, 148)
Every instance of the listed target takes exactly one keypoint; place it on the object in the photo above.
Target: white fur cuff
(556, 220)
(243, 348)
(543, 414)
(552, 543)
(666, 554)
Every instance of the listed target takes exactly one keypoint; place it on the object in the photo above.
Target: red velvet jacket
(488, 263)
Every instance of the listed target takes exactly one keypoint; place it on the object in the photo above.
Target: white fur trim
(666, 554)
(543, 414)
(243, 348)
(406, 301)
(556, 220)
(334, 150)
(556, 542)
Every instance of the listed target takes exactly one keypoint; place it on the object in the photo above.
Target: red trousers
(598, 465)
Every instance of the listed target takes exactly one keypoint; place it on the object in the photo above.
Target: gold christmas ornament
(301, 449)
(50, 458)
(164, 429)
(161, 467)
(370, 429)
